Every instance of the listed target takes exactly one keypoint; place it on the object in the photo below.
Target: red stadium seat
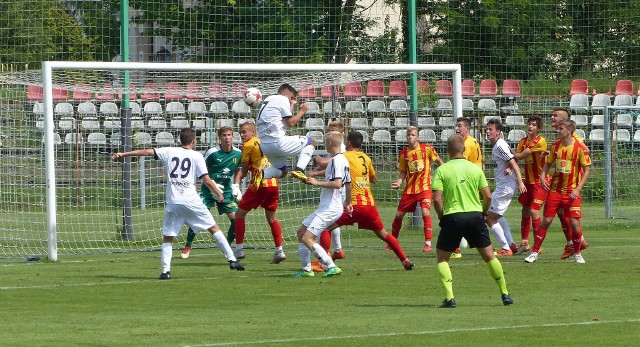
(150, 92)
(238, 89)
(81, 93)
(352, 90)
(217, 91)
(488, 88)
(172, 91)
(375, 89)
(579, 86)
(511, 87)
(307, 91)
(468, 88)
(195, 91)
(326, 92)
(398, 88)
(35, 93)
(107, 93)
(624, 87)
(423, 87)
(59, 94)
(443, 88)
(133, 95)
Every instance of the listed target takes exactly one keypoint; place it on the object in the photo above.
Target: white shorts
(280, 151)
(501, 198)
(319, 221)
(197, 217)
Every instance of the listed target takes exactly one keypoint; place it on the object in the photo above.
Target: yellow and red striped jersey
(472, 151)
(568, 162)
(361, 169)
(417, 165)
(533, 163)
(252, 154)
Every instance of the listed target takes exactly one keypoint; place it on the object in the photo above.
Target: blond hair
(411, 128)
(333, 139)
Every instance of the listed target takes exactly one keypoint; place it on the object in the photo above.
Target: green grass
(115, 299)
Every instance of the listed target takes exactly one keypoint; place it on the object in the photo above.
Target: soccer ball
(252, 97)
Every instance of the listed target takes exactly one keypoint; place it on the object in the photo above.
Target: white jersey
(500, 156)
(183, 167)
(338, 169)
(270, 126)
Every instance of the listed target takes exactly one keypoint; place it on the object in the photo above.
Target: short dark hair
(287, 87)
(187, 135)
(355, 138)
(224, 129)
(464, 120)
(497, 123)
(537, 120)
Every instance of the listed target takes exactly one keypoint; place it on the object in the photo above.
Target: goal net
(67, 193)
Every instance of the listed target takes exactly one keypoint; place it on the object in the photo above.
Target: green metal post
(125, 126)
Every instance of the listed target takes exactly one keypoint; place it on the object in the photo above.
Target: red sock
(325, 240)
(577, 241)
(276, 232)
(525, 228)
(426, 221)
(396, 226)
(566, 225)
(536, 224)
(538, 236)
(240, 230)
(395, 247)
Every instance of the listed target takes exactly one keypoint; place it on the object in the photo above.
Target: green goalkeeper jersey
(222, 168)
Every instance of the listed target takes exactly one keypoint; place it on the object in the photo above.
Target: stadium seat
(326, 92)
(314, 124)
(579, 102)
(200, 123)
(401, 135)
(111, 123)
(314, 108)
(623, 120)
(217, 91)
(224, 122)
(444, 105)
(137, 123)
(73, 139)
(375, 89)
(486, 119)
(353, 107)
(365, 135)
(195, 91)
(511, 88)
(352, 90)
(240, 108)
(165, 138)
(381, 123)
(67, 123)
(358, 123)
(150, 92)
(219, 107)
(237, 139)
(423, 87)
(175, 108)
(581, 120)
(376, 107)
(115, 139)
(57, 140)
(38, 109)
(109, 109)
(90, 124)
(446, 133)
(488, 87)
(133, 94)
(514, 120)
(624, 87)
(467, 105)
(398, 89)
(316, 135)
(152, 108)
(208, 138)
(179, 123)
(599, 101)
(35, 93)
(381, 135)
(196, 108)
(581, 133)
(398, 106)
(487, 105)
(157, 123)
(622, 135)
(596, 135)
(63, 109)
(638, 121)
(40, 124)
(401, 123)
(579, 86)
(330, 106)
(426, 135)
(87, 108)
(97, 139)
(597, 120)
(172, 91)
(59, 94)
(81, 92)
(135, 108)
(515, 135)
(426, 122)
(141, 139)
(636, 136)
(468, 88)
(446, 120)
(443, 88)
(307, 91)
(623, 100)
(238, 89)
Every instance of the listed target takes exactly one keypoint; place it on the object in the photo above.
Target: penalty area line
(433, 332)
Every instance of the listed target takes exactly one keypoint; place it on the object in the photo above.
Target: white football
(252, 97)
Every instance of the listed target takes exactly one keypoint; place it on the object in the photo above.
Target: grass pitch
(116, 300)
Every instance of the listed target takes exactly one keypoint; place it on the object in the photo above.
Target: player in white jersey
(329, 209)
(183, 204)
(275, 114)
(507, 176)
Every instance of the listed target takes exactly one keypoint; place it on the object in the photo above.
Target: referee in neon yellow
(457, 203)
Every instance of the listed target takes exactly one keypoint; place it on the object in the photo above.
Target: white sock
(279, 248)
(322, 254)
(305, 157)
(239, 246)
(224, 245)
(305, 257)
(335, 239)
(165, 257)
(427, 243)
(507, 230)
(271, 172)
(499, 234)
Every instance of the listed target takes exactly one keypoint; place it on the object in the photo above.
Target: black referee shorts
(455, 226)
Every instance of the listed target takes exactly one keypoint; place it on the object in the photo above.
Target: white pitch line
(434, 332)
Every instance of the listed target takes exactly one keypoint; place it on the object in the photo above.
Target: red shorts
(556, 201)
(266, 197)
(408, 201)
(366, 216)
(534, 197)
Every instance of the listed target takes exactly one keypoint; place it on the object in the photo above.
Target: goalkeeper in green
(223, 161)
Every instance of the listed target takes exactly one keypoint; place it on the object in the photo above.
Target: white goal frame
(47, 76)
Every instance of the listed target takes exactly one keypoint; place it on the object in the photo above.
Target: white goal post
(50, 81)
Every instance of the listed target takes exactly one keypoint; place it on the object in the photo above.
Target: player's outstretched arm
(136, 153)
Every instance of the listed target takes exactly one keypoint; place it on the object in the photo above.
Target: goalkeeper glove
(237, 193)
